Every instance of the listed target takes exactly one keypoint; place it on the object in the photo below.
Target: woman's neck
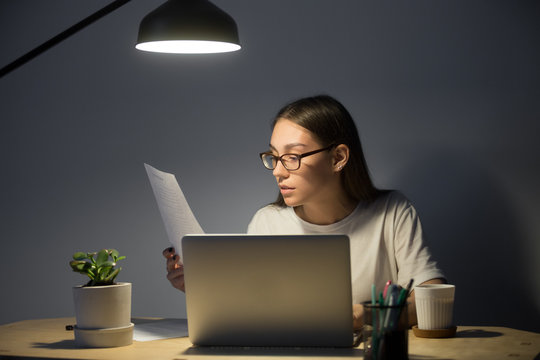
(326, 213)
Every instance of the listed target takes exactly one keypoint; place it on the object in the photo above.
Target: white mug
(434, 306)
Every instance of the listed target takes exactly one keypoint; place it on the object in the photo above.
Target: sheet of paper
(160, 329)
(173, 207)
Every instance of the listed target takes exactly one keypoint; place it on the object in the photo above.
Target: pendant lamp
(188, 27)
(178, 26)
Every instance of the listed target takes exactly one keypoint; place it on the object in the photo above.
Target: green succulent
(98, 266)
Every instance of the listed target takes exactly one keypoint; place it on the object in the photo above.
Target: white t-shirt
(386, 241)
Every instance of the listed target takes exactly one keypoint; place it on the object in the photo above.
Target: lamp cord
(62, 36)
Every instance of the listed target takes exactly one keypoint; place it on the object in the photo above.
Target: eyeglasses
(290, 162)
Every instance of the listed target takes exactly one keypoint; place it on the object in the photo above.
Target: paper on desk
(173, 207)
(160, 329)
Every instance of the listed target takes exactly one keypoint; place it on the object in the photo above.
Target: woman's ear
(341, 157)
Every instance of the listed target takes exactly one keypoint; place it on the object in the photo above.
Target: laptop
(268, 290)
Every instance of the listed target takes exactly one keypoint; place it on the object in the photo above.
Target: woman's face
(312, 182)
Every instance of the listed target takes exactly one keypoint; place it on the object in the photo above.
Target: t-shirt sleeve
(413, 257)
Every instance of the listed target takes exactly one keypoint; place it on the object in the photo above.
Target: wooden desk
(47, 338)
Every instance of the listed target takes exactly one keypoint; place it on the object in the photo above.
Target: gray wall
(445, 94)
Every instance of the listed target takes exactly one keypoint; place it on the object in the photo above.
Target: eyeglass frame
(300, 156)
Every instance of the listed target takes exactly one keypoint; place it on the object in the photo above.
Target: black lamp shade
(188, 26)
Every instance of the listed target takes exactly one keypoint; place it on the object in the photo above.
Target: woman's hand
(175, 269)
(358, 316)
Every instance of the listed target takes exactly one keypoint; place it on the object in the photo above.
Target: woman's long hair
(331, 123)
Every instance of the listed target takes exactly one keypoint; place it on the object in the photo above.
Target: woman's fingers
(173, 263)
(175, 269)
(358, 316)
(169, 252)
(176, 277)
(172, 258)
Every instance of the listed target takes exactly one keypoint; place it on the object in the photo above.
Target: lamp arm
(62, 36)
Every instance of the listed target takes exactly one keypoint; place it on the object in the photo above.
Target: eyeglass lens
(289, 161)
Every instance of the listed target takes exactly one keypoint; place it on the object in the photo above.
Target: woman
(317, 159)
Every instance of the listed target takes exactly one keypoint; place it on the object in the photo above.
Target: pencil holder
(385, 332)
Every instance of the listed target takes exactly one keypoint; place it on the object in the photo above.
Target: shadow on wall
(472, 231)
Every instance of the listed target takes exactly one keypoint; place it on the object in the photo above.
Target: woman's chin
(289, 202)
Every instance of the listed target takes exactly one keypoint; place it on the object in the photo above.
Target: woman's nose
(280, 171)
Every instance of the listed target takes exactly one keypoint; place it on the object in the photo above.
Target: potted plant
(102, 306)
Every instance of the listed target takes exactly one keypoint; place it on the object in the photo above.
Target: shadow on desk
(477, 333)
(268, 351)
(59, 345)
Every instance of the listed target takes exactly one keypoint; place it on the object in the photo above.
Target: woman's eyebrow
(288, 146)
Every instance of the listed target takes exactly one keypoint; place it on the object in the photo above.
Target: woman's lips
(285, 190)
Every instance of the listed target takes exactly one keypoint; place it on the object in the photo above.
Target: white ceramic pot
(103, 315)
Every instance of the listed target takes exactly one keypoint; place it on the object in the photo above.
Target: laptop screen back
(268, 290)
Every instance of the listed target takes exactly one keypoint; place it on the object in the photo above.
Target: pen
(388, 297)
(402, 296)
(390, 301)
(409, 286)
(385, 292)
(404, 293)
